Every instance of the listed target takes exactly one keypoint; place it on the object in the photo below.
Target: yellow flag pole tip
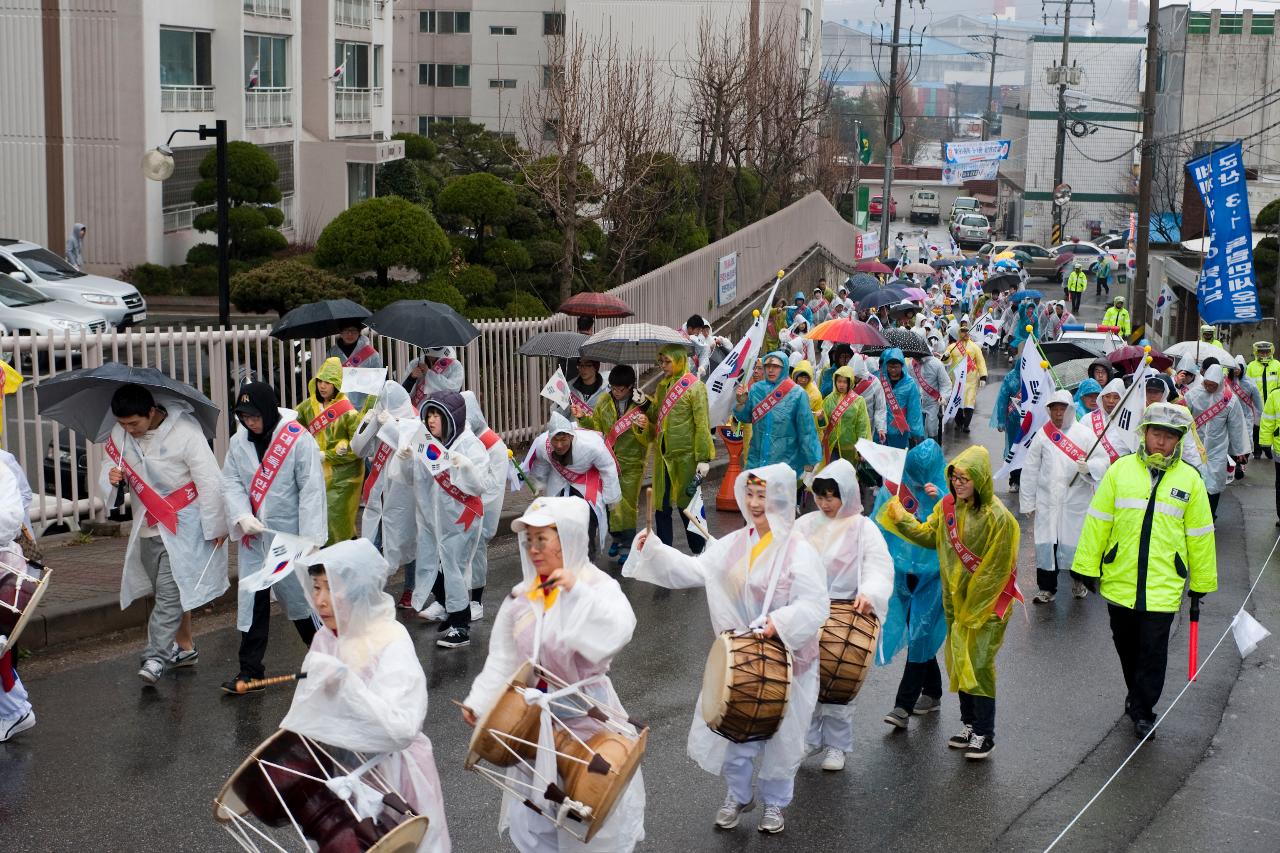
(755, 314)
(781, 273)
(511, 454)
(1044, 365)
(1147, 348)
(1030, 329)
(1150, 359)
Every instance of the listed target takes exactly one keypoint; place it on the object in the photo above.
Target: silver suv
(119, 302)
(25, 310)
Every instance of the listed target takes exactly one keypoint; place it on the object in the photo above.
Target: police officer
(1117, 315)
(1148, 529)
(1076, 285)
(1265, 373)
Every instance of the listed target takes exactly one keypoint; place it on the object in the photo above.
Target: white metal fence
(186, 99)
(268, 107)
(270, 8)
(351, 104)
(353, 13)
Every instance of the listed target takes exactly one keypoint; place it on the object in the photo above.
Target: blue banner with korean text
(1227, 291)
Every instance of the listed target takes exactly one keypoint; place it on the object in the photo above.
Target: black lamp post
(157, 164)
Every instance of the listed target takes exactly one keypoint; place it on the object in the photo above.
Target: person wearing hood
(868, 387)
(566, 461)
(1187, 375)
(16, 713)
(75, 246)
(858, 569)
(821, 307)
(776, 323)
(760, 578)
(388, 518)
(915, 620)
(1209, 335)
(1221, 423)
(1027, 316)
(1085, 401)
(963, 349)
(365, 691)
(977, 543)
(1149, 528)
(840, 355)
(571, 619)
(437, 370)
(802, 373)
(1109, 441)
(1101, 371)
(354, 349)
(1057, 317)
(799, 308)
(782, 426)
(159, 454)
(844, 414)
(332, 420)
(493, 498)
(1117, 315)
(1058, 486)
(934, 381)
(588, 388)
(902, 399)
(272, 480)
(680, 434)
(1264, 372)
(449, 483)
(1006, 417)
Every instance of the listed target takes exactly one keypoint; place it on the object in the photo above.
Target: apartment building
(91, 88)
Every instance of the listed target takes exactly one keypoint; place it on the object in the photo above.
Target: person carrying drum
(759, 579)
(272, 482)
(365, 690)
(859, 569)
(332, 420)
(571, 619)
(175, 552)
(977, 543)
(16, 713)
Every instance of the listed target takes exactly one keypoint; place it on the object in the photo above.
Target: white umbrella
(1199, 351)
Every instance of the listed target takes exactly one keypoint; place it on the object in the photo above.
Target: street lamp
(157, 165)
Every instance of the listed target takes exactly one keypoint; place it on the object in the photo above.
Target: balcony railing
(269, 8)
(353, 13)
(268, 107)
(355, 105)
(180, 218)
(186, 99)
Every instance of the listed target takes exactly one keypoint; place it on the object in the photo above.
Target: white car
(1088, 253)
(119, 302)
(971, 229)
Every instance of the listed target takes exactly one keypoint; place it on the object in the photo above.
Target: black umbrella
(942, 263)
(909, 342)
(553, 345)
(883, 296)
(997, 283)
(1058, 352)
(81, 399)
(424, 324)
(319, 319)
(862, 290)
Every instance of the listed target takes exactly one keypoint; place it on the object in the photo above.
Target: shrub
(436, 290)
(203, 255)
(150, 279)
(417, 147)
(283, 285)
(507, 255)
(380, 233)
(401, 178)
(251, 186)
(526, 305)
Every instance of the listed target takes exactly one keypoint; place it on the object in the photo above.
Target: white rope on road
(1265, 565)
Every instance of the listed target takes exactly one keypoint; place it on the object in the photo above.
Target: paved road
(113, 767)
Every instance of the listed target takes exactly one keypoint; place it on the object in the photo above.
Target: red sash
(971, 560)
(905, 496)
(419, 393)
(360, 356)
(162, 509)
(589, 480)
(489, 438)
(1216, 409)
(928, 389)
(271, 462)
(1247, 399)
(861, 387)
(771, 399)
(1098, 423)
(332, 412)
(673, 396)
(838, 412)
(375, 469)
(621, 425)
(575, 397)
(441, 365)
(472, 505)
(1059, 439)
(895, 408)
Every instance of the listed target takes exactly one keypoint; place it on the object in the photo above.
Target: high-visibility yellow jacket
(1270, 369)
(1144, 540)
(1077, 281)
(1269, 424)
(1117, 317)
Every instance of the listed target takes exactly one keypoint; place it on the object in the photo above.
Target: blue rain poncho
(1089, 386)
(915, 619)
(1004, 416)
(787, 432)
(907, 393)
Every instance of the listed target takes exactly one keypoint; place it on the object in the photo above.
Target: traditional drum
(22, 585)
(745, 686)
(283, 783)
(509, 731)
(596, 771)
(844, 652)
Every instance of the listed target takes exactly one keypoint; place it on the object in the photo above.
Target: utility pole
(890, 129)
(989, 114)
(1146, 177)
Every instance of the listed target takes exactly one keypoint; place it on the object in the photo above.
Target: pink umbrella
(873, 266)
(915, 294)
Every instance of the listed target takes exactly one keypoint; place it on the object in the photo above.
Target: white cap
(534, 516)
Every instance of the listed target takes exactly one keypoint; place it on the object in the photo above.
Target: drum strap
(778, 563)
(8, 677)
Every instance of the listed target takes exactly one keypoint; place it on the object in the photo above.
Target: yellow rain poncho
(683, 439)
(631, 449)
(343, 470)
(977, 369)
(12, 380)
(970, 600)
(815, 396)
(838, 439)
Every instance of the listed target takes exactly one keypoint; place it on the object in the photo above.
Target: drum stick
(255, 683)
(697, 522)
(649, 497)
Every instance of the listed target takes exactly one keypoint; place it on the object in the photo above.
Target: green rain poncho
(969, 599)
(683, 439)
(631, 449)
(343, 472)
(838, 439)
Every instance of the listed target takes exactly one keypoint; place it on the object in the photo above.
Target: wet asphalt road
(113, 766)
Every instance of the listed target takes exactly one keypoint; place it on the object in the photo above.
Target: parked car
(120, 303)
(924, 207)
(964, 205)
(972, 229)
(1043, 264)
(876, 208)
(25, 310)
(1115, 243)
(1088, 253)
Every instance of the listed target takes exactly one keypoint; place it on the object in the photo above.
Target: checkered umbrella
(632, 343)
(553, 345)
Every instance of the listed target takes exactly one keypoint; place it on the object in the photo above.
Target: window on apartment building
(282, 153)
(266, 62)
(377, 66)
(444, 75)
(552, 75)
(353, 58)
(1263, 25)
(444, 23)
(425, 123)
(359, 182)
(553, 23)
(176, 191)
(502, 31)
(185, 58)
(502, 83)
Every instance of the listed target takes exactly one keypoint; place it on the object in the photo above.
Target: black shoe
(1142, 728)
(238, 686)
(980, 747)
(454, 638)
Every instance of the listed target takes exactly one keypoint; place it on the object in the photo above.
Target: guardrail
(186, 99)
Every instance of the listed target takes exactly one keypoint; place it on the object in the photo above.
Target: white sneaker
(477, 611)
(771, 822)
(151, 670)
(834, 759)
(9, 728)
(434, 612)
(1078, 589)
(727, 817)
